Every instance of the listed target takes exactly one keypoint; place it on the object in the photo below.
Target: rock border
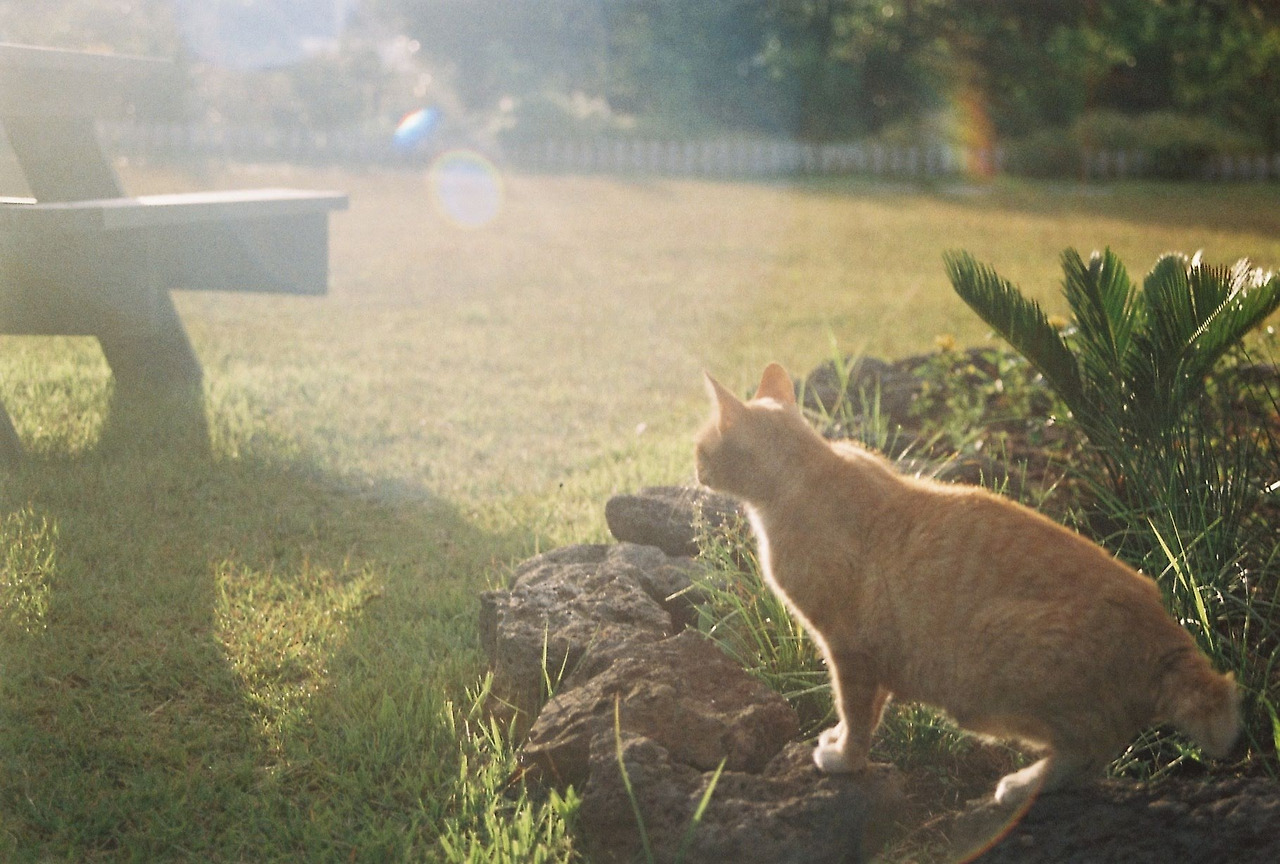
(606, 628)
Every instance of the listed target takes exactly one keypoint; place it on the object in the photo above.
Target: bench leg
(159, 397)
(10, 445)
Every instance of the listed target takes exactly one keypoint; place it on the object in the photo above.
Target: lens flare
(974, 129)
(414, 128)
(466, 188)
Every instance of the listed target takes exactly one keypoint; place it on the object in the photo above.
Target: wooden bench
(80, 257)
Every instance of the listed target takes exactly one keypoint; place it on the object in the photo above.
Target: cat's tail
(1202, 703)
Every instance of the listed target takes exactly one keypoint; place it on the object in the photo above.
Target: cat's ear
(729, 408)
(776, 384)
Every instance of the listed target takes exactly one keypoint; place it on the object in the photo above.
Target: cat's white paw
(1017, 787)
(833, 760)
(832, 756)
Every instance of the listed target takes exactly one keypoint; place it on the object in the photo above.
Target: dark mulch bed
(1235, 819)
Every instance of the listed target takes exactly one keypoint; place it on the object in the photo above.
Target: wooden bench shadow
(149, 672)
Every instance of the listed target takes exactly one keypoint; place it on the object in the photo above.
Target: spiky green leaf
(1019, 321)
(1195, 313)
(1104, 302)
(1248, 297)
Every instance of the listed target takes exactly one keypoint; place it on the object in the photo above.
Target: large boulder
(668, 516)
(566, 602)
(788, 814)
(682, 693)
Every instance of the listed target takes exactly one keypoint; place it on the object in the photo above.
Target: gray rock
(667, 579)
(863, 382)
(789, 814)
(562, 604)
(668, 516)
(682, 693)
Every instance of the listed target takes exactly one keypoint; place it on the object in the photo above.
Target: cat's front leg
(1017, 787)
(1051, 773)
(845, 747)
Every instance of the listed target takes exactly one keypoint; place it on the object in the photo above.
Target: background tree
(815, 69)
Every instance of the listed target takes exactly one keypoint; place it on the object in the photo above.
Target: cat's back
(967, 535)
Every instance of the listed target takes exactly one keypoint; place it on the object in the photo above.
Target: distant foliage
(819, 71)
(1162, 144)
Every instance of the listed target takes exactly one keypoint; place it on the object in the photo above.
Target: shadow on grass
(227, 659)
(1199, 208)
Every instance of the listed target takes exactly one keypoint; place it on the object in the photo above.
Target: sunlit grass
(258, 654)
(28, 561)
(281, 630)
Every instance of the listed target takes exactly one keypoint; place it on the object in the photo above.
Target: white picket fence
(712, 157)
(752, 157)
(1126, 164)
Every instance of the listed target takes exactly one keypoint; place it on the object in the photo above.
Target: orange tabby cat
(956, 597)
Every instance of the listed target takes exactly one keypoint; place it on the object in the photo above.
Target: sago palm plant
(1135, 361)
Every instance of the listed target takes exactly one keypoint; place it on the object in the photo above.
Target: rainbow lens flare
(466, 188)
(414, 128)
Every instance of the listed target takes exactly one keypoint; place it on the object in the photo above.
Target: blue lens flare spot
(414, 128)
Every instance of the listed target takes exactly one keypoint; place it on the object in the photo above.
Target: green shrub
(1179, 147)
(1162, 144)
(1044, 154)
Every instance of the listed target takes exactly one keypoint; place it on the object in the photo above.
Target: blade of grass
(626, 780)
(699, 812)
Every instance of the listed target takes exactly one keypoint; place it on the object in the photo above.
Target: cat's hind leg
(860, 701)
(1055, 771)
(1020, 785)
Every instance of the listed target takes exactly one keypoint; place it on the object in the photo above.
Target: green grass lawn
(265, 654)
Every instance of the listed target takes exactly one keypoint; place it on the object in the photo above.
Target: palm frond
(1104, 302)
(1248, 297)
(1178, 294)
(1021, 322)
(1139, 360)
(1196, 313)
(1157, 369)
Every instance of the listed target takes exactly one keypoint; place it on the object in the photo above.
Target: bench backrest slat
(47, 82)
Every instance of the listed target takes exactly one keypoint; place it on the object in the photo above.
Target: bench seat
(114, 214)
(82, 267)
